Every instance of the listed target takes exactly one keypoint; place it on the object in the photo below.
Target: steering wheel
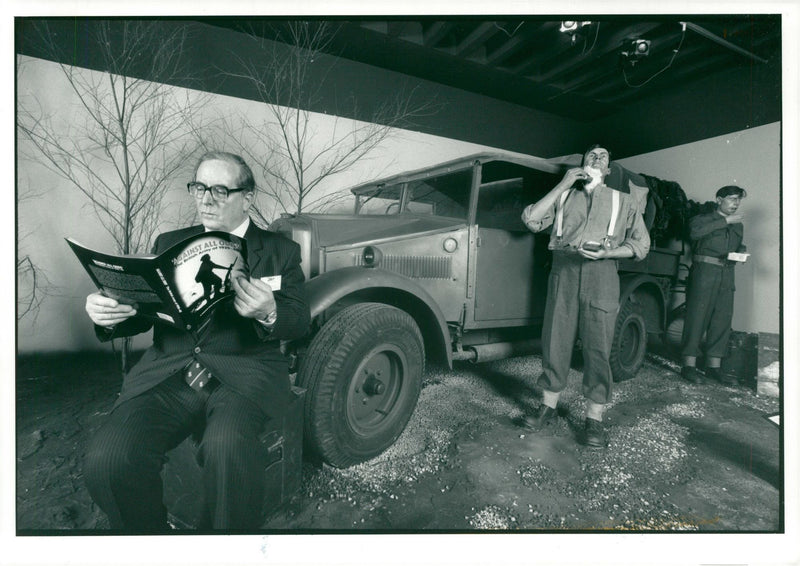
(389, 208)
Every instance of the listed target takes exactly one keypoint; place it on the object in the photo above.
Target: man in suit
(244, 376)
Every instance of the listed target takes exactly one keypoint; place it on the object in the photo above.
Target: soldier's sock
(550, 398)
(714, 363)
(595, 410)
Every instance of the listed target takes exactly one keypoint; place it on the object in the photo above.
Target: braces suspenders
(612, 223)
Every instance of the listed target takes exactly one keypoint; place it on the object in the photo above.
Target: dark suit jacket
(239, 351)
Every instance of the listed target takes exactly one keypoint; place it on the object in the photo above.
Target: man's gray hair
(245, 181)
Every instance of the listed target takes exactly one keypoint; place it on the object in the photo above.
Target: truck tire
(630, 343)
(362, 373)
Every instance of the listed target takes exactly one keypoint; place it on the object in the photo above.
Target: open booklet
(179, 286)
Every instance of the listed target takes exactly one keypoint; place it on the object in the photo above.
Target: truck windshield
(382, 199)
(444, 195)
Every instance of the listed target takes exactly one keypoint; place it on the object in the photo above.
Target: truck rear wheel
(362, 373)
(630, 343)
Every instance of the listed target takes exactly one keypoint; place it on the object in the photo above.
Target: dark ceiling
(702, 75)
(583, 75)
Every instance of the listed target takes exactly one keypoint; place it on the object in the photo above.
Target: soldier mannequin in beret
(709, 295)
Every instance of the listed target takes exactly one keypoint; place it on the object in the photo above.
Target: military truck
(434, 266)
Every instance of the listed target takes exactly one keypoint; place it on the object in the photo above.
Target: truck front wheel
(630, 343)
(363, 373)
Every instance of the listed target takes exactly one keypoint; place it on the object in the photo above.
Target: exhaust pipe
(498, 351)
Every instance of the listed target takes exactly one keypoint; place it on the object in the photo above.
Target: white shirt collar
(241, 229)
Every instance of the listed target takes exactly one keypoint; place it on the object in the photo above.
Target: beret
(728, 190)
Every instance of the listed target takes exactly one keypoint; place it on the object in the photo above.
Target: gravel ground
(680, 458)
(462, 442)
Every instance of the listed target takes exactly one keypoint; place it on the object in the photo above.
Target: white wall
(60, 211)
(750, 159)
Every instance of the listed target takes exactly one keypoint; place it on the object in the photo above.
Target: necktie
(197, 376)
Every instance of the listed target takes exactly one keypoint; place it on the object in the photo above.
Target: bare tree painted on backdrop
(33, 285)
(129, 136)
(293, 157)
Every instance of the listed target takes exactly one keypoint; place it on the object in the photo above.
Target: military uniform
(709, 295)
(583, 294)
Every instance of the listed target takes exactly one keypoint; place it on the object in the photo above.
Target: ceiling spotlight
(568, 27)
(635, 49)
(572, 27)
(641, 47)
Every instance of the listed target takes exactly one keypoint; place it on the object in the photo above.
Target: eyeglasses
(218, 192)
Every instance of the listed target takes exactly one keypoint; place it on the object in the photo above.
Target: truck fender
(629, 285)
(326, 289)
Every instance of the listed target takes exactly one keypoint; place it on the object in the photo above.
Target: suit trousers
(582, 299)
(709, 310)
(126, 456)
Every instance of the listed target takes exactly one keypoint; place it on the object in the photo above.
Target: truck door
(512, 262)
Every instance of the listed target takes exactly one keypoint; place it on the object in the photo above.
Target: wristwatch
(271, 318)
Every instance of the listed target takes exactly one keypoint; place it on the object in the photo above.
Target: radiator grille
(416, 267)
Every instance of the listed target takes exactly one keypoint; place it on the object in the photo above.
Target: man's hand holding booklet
(179, 286)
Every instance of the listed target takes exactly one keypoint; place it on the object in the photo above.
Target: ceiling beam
(537, 57)
(724, 42)
(435, 33)
(396, 28)
(413, 33)
(476, 38)
(378, 26)
(508, 48)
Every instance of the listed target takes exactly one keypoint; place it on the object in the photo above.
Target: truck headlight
(371, 256)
